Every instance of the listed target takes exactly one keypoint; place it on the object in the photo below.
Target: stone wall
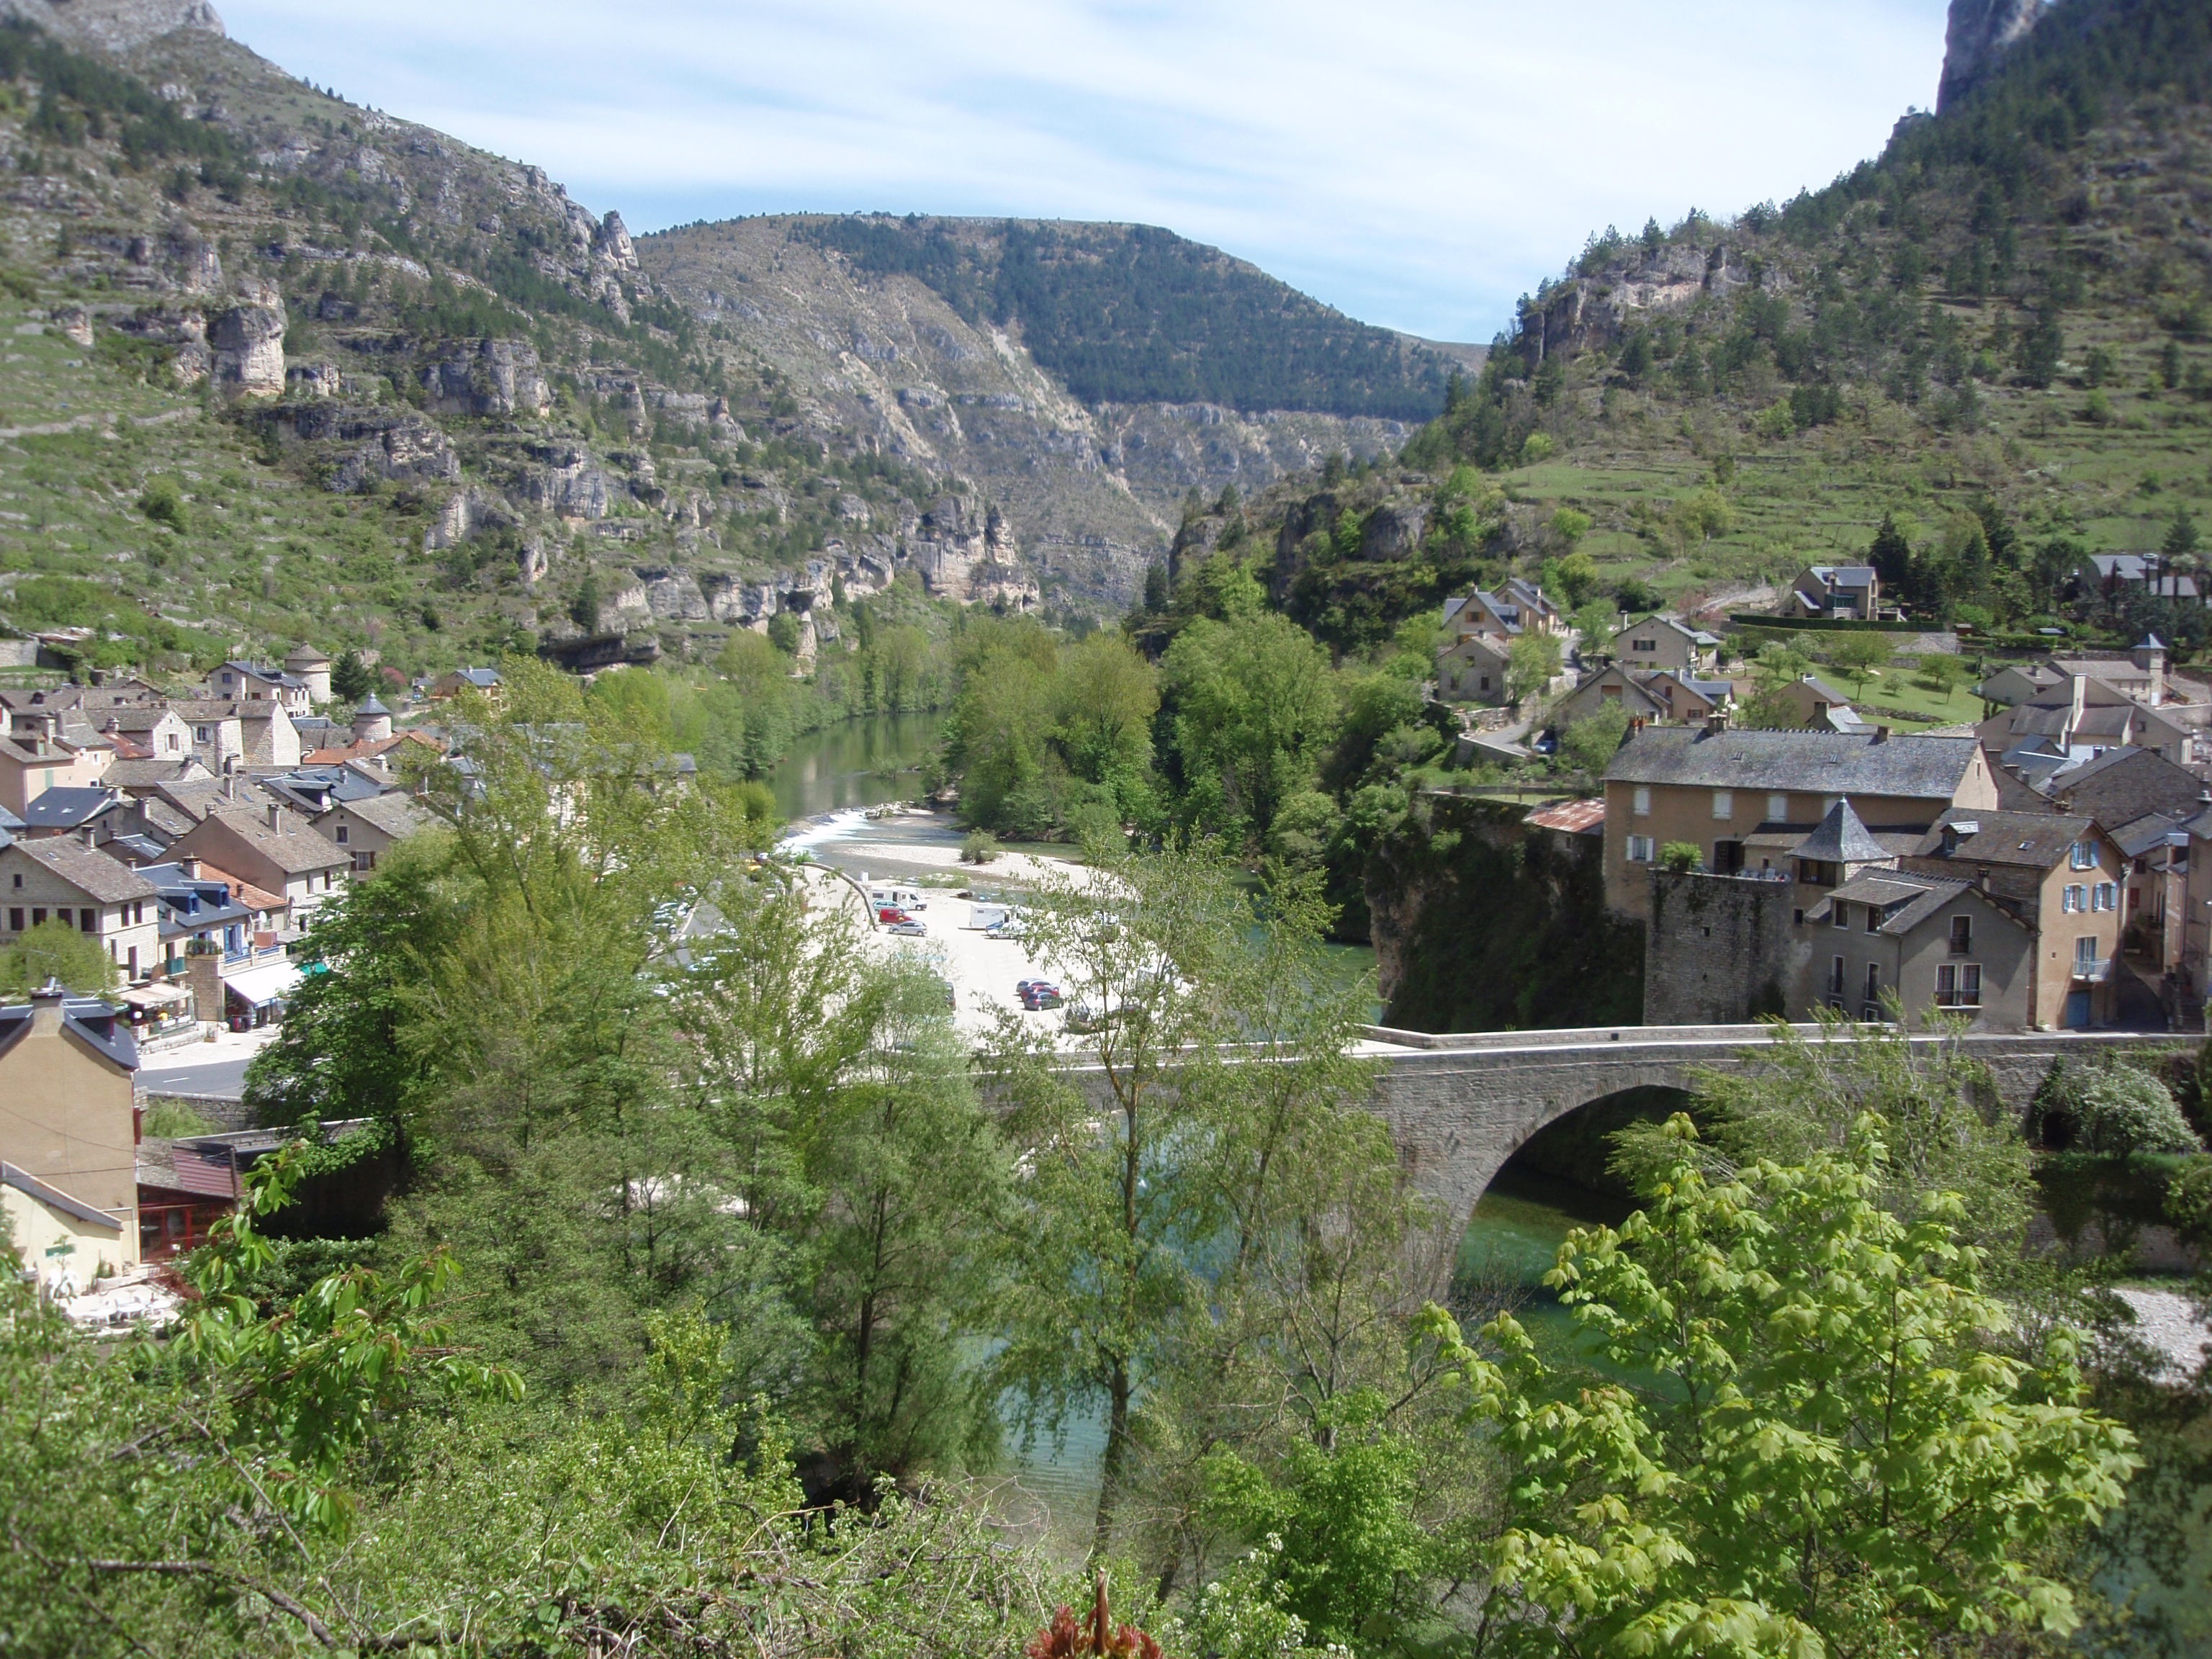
(1719, 949)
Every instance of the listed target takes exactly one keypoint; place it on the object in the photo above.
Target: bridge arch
(1458, 1107)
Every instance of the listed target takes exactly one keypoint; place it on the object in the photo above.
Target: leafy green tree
(351, 679)
(1850, 1456)
(1589, 743)
(1533, 661)
(1156, 589)
(1858, 654)
(1253, 705)
(54, 950)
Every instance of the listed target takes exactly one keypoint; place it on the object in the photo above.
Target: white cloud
(1417, 163)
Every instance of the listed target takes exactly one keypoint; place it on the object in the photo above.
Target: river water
(856, 763)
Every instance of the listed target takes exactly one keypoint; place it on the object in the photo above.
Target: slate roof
(144, 774)
(90, 1019)
(1810, 763)
(2034, 841)
(68, 808)
(92, 873)
(2121, 785)
(53, 1197)
(1918, 897)
(1842, 838)
(394, 814)
(295, 852)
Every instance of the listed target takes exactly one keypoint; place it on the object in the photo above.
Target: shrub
(1680, 856)
(980, 847)
(163, 502)
(2114, 1109)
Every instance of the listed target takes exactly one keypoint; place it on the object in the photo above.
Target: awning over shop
(257, 986)
(154, 996)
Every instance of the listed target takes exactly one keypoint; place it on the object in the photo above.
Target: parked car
(910, 929)
(1036, 993)
(1086, 1016)
(891, 914)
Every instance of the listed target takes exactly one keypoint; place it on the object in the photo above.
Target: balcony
(2088, 971)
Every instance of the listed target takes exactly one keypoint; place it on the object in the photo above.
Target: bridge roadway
(1460, 1105)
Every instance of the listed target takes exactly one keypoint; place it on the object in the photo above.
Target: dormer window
(2083, 856)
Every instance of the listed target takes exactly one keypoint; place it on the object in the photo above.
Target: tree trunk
(1111, 1466)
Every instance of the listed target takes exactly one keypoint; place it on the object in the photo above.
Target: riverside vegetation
(719, 1275)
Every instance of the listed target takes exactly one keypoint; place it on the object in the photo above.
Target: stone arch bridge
(1459, 1106)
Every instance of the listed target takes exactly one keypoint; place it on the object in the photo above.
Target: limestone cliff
(1979, 33)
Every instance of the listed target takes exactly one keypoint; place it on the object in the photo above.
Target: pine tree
(2181, 538)
(1891, 555)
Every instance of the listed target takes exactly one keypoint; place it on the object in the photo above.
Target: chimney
(47, 1008)
(2077, 688)
(1717, 720)
(230, 784)
(276, 816)
(190, 867)
(87, 833)
(1881, 734)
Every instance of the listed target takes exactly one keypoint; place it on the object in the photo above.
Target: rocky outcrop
(114, 24)
(247, 341)
(366, 445)
(966, 551)
(487, 378)
(1978, 35)
(565, 481)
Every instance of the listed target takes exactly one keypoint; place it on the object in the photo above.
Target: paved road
(224, 1077)
(215, 1069)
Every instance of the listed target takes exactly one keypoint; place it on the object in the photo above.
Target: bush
(1589, 743)
(980, 847)
(163, 502)
(2114, 1109)
(1680, 856)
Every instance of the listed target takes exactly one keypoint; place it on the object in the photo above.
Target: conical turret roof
(1842, 838)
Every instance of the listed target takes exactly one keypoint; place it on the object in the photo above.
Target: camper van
(983, 914)
(884, 896)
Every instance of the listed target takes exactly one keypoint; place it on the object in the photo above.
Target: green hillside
(1995, 335)
(1132, 314)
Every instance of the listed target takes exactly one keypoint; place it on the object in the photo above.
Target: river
(855, 762)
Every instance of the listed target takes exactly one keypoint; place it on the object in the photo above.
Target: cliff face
(1091, 492)
(1979, 33)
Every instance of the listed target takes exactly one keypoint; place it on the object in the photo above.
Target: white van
(887, 897)
(983, 915)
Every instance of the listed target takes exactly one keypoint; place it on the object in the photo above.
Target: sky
(1415, 163)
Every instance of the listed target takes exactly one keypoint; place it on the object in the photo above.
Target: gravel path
(2168, 1322)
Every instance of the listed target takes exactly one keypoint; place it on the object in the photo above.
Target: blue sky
(1414, 162)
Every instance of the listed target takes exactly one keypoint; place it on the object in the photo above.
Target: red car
(891, 912)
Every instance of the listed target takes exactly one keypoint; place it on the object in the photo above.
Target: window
(37, 914)
(2076, 898)
(88, 920)
(1958, 985)
(1639, 849)
(1962, 935)
(1836, 977)
(1644, 645)
(1641, 804)
(2104, 896)
(1874, 981)
(342, 835)
(1777, 808)
(16, 920)
(2082, 856)
(2085, 950)
(1840, 913)
(1724, 804)
(202, 733)
(1874, 919)
(1485, 682)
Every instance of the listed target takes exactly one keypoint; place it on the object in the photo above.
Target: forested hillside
(1131, 313)
(1997, 337)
